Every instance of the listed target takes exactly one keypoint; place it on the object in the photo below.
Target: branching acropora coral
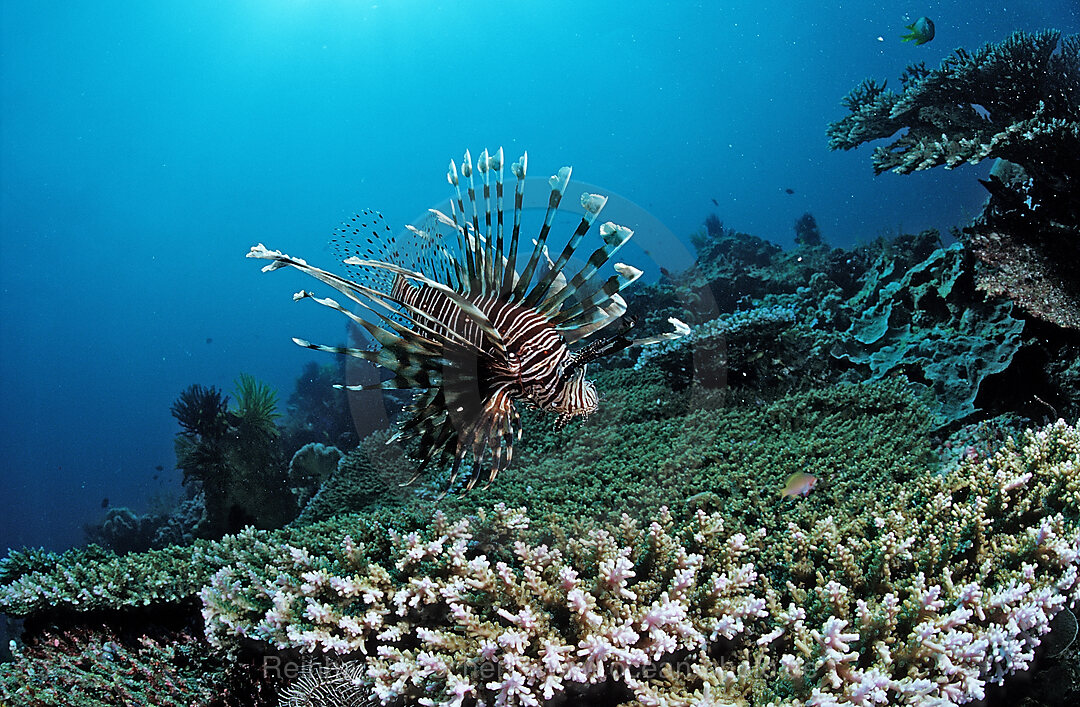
(949, 590)
(927, 598)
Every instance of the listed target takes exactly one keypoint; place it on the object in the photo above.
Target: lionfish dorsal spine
(592, 306)
(496, 163)
(558, 184)
(614, 238)
(483, 166)
(472, 239)
(592, 204)
(461, 226)
(519, 169)
(453, 266)
(467, 172)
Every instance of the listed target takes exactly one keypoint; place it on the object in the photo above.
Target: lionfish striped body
(473, 335)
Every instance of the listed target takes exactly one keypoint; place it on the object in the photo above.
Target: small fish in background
(920, 31)
(209, 340)
(160, 467)
(798, 484)
(789, 190)
(105, 502)
(715, 202)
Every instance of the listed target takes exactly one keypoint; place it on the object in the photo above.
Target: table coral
(1015, 101)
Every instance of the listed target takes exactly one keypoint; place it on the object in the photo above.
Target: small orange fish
(798, 484)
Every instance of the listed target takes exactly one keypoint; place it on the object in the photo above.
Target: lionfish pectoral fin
(467, 308)
(681, 330)
(488, 437)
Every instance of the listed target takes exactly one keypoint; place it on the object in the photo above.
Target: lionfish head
(578, 398)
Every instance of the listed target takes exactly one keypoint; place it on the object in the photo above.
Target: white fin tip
(521, 166)
(559, 181)
(593, 203)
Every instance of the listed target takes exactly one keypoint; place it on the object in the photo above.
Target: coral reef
(806, 231)
(648, 557)
(1016, 101)
(310, 467)
(673, 572)
(587, 610)
(233, 455)
(930, 324)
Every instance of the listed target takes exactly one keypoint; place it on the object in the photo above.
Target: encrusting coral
(930, 321)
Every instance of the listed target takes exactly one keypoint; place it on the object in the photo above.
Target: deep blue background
(147, 145)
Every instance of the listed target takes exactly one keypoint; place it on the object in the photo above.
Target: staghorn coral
(742, 454)
(933, 597)
(438, 619)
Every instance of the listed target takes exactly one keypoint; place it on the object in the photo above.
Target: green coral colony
(649, 556)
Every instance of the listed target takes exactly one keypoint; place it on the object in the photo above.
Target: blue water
(147, 145)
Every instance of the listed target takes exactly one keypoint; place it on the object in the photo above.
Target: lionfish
(458, 322)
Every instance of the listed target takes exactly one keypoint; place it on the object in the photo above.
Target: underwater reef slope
(656, 563)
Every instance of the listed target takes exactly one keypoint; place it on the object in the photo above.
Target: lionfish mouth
(471, 325)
